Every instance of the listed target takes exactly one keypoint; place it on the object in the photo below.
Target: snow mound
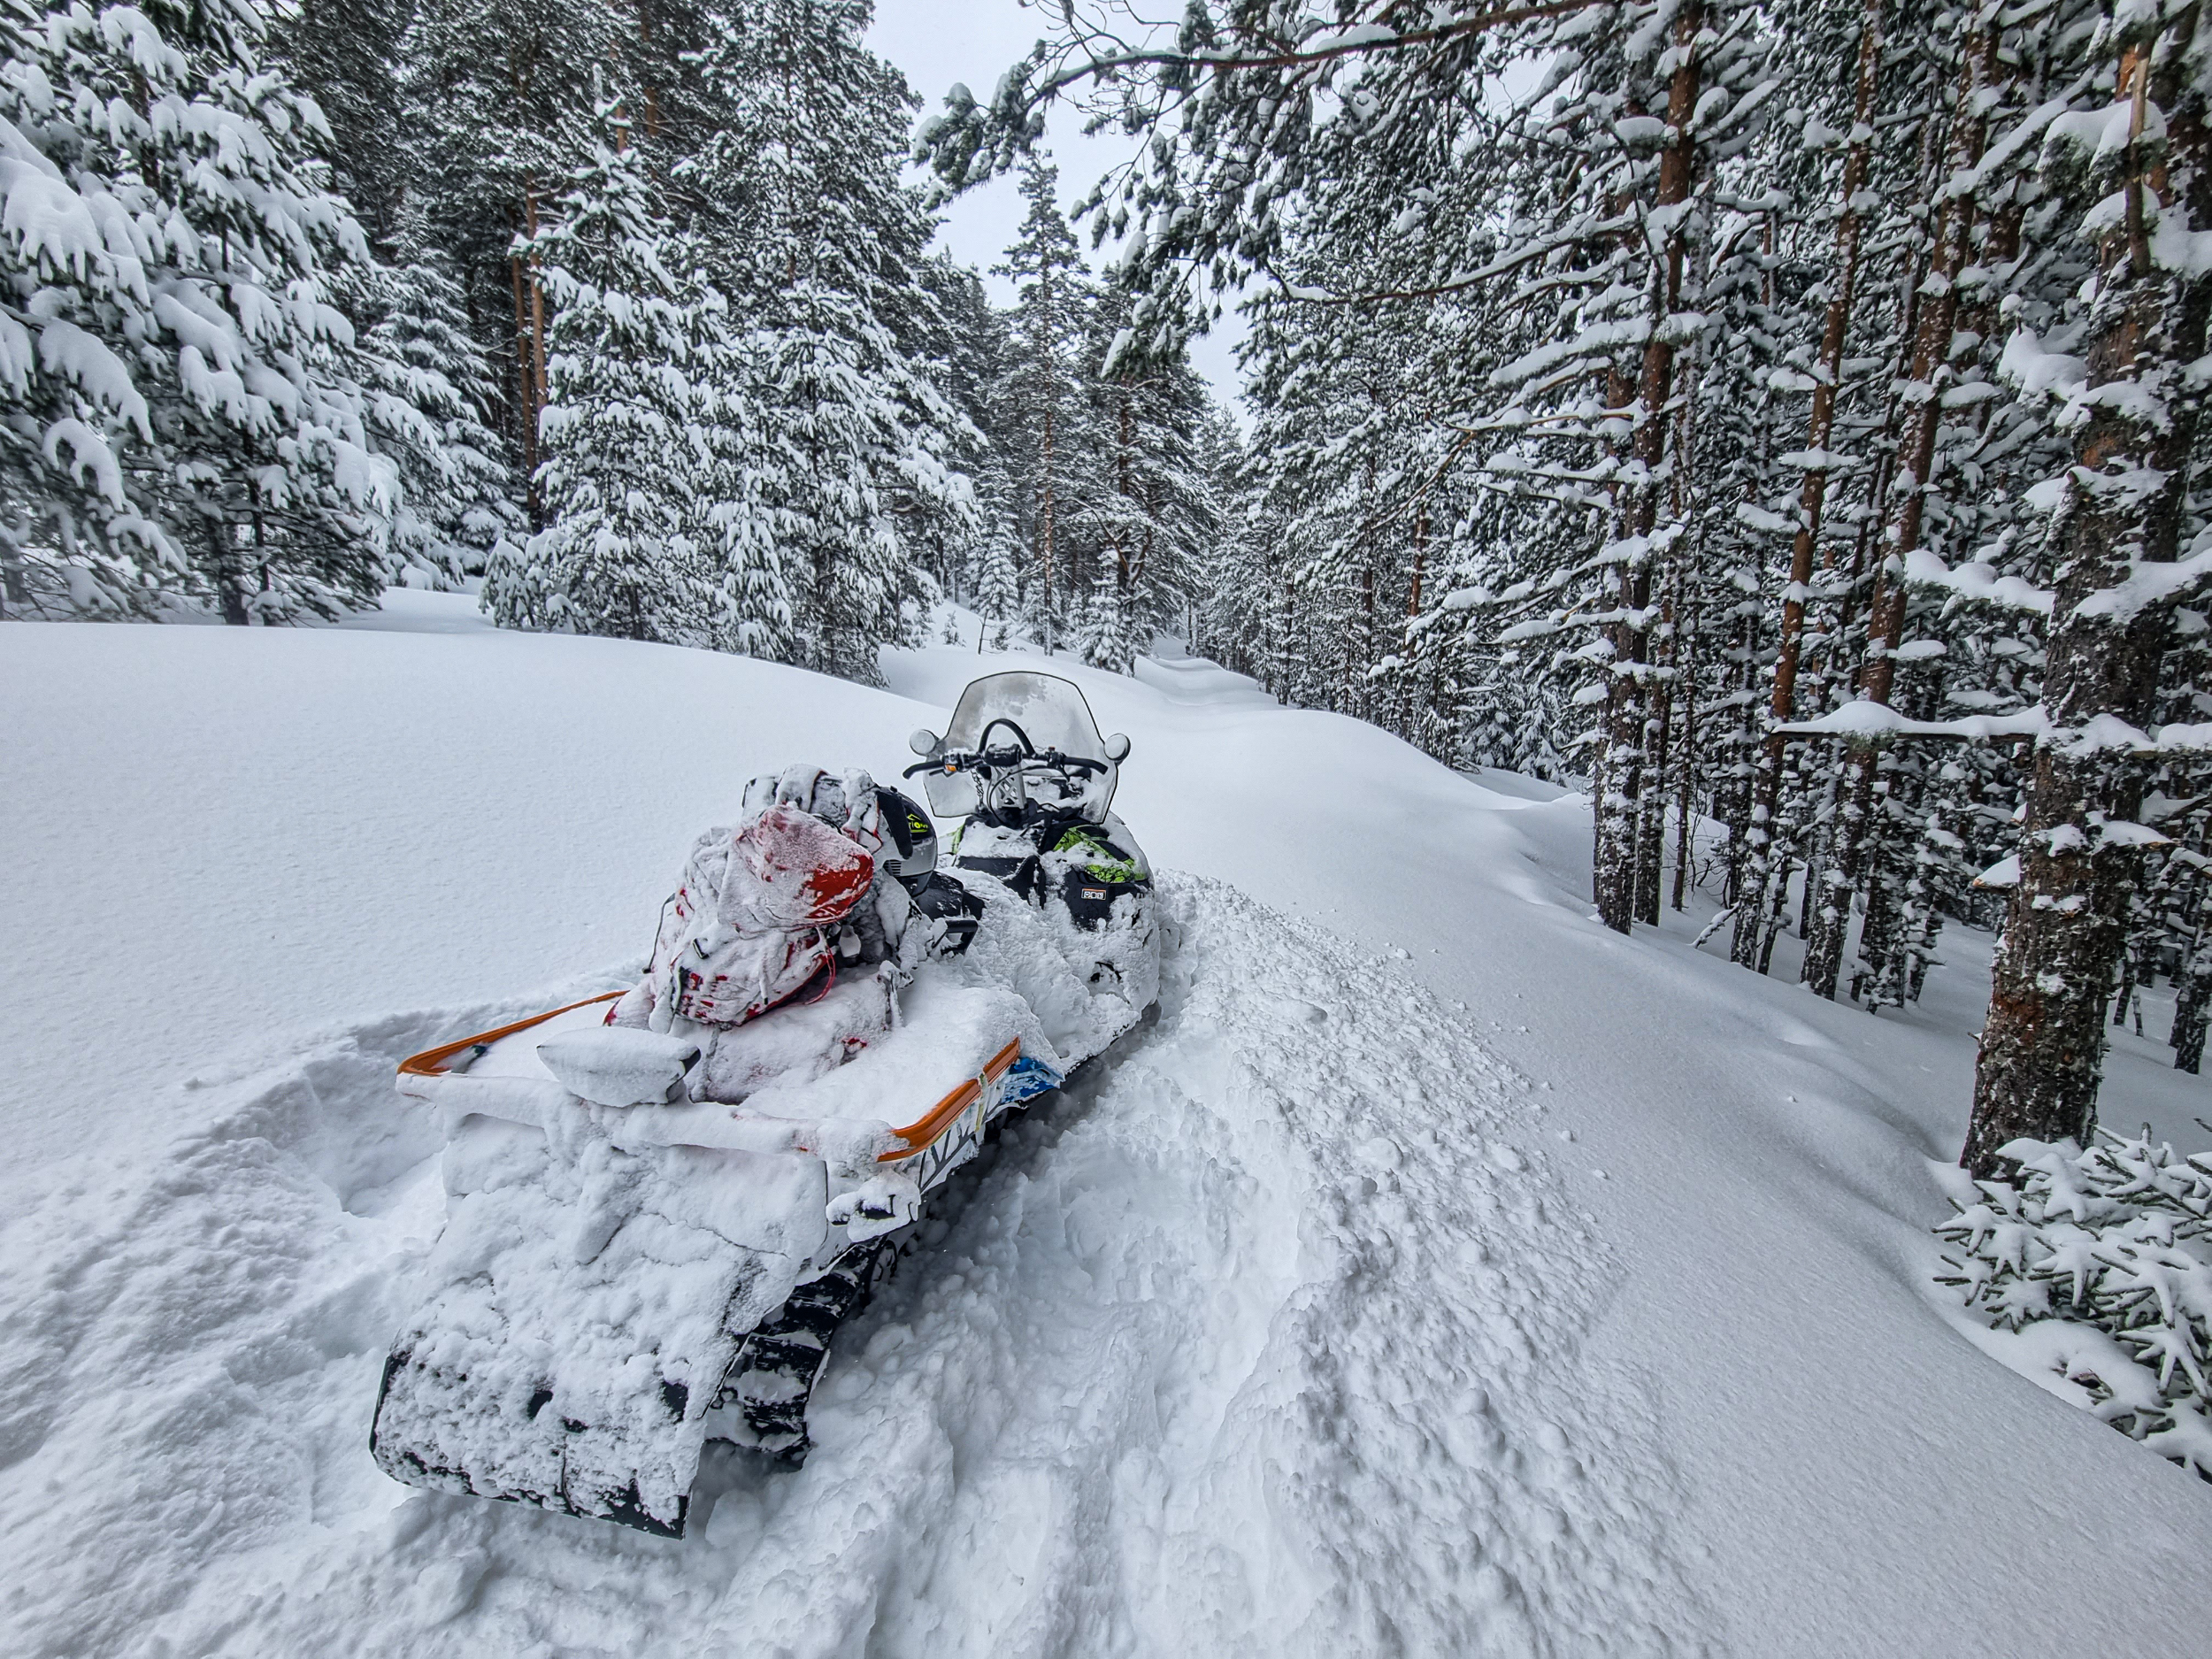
(1264, 1337)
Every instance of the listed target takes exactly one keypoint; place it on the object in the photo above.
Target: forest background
(1781, 419)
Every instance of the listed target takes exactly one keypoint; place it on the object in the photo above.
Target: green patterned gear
(1086, 847)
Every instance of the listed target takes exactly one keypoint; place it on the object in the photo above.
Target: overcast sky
(937, 42)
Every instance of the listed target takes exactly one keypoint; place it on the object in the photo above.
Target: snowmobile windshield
(1051, 713)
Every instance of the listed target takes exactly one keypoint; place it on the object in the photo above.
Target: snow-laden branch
(1327, 47)
(2150, 582)
(1586, 229)
(1876, 722)
(1598, 338)
(1872, 721)
(1977, 582)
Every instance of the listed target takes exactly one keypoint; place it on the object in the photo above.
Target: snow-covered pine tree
(2122, 513)
(1042, 411)
(993, 570)
(497, 105)
(433, 382)
(345, 54)
(623, 428)
(818, 248)
(179, 273)
(2118, 1239)
(72, 539)
(1148, 505)
(964, 336)
(428, 394)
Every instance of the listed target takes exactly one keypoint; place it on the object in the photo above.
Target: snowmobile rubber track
(774, 1376)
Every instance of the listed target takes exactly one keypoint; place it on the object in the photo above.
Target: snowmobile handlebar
(998, 759)
(984, 757)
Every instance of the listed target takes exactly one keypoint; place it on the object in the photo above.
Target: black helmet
(910, 840)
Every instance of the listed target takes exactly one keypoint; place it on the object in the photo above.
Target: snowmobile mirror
(1117, 748)
(925, 742)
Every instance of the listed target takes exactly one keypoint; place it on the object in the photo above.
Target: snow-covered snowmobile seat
(1080, 863)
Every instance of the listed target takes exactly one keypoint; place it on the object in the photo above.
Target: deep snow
(1590, 1318)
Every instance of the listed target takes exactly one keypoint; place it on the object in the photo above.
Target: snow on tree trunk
(2042, 1047)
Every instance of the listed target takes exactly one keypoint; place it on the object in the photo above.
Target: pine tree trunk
(2192, 993)
(1856, 843)
(2042, 1047)
(1046, 526)
(1899, 975)
(1735, 810)
(1651, 830)
(1364, 687)
(1628, 697)
(1827, 920)
(1878, 931)
(537, 304)
(1685, 767)
(1820, 430)
(229, 586)
(15, 591)
(1620, 779)
(2132, 975)
(525, 392)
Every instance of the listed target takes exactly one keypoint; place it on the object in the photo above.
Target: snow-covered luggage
(753, 922)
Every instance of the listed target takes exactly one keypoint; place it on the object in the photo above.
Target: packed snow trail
(1265, 1339)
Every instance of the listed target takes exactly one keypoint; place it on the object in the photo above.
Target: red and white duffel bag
(754, 923)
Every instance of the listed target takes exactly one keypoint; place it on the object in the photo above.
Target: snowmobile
(1023, 769)
(662, 1203)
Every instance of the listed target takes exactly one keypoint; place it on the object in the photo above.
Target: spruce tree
(818, 248)
(623, 427)
(1041, 391)
(198, 426)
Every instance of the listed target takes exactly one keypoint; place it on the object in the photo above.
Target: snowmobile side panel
(1028, 1078)
(923, 1133)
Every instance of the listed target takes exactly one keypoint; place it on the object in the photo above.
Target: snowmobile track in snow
(779, 1366)
(1265, 1339)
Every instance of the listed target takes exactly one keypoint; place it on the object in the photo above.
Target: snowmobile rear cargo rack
(433, 1062)
(919, 1135)
(581, 1333)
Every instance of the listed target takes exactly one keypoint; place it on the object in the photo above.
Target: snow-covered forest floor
(1443, 1273)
